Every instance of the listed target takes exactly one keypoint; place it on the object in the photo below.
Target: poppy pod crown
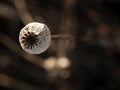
(35, 38)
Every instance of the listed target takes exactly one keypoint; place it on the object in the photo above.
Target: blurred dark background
(85, 48)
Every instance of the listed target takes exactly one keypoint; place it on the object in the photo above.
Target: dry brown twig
(23, 11)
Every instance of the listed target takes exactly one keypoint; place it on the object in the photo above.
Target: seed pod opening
(35, 38)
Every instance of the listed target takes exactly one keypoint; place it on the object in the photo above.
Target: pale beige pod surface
(35, 38)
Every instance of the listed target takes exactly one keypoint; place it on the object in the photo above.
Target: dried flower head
(35, 38)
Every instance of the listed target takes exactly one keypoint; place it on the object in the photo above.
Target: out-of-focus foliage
(85, 49)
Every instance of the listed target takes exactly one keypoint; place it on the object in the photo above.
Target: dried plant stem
(63, 36)
(23, 11)
(67, 27)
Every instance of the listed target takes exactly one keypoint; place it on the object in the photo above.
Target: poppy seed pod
(35, 38)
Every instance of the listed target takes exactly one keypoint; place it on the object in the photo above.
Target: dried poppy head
(35, 38)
